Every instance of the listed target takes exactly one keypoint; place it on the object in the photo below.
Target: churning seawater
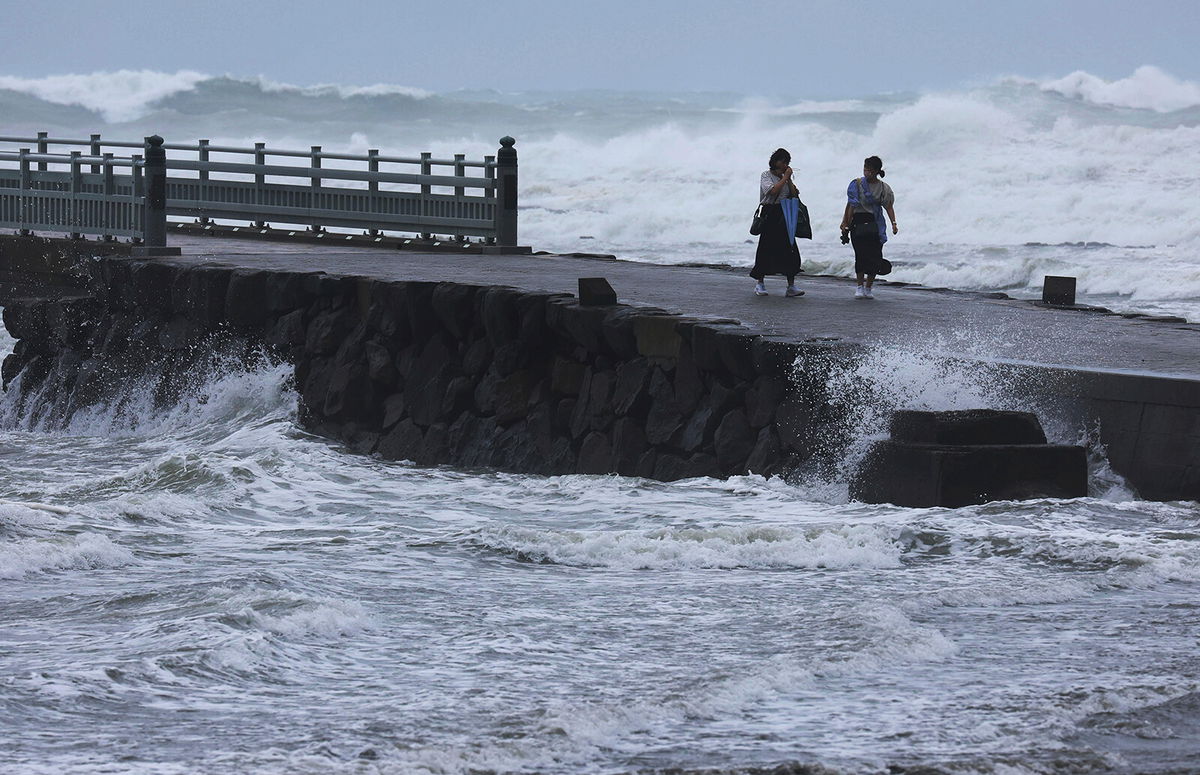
(227, 594)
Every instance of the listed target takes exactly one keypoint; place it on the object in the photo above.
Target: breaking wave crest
(729, 547)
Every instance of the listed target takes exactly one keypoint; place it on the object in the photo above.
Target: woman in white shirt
(777, 252)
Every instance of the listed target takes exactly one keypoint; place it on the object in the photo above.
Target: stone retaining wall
(440, 372)
(528, 382)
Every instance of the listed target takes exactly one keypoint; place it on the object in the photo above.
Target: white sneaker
(794, 291)
(760, 290)
(867, 293)
(858, 293)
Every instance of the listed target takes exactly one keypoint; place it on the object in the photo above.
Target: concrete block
(1058, 290)
(926, 475)
(974, 426)
(595, 291)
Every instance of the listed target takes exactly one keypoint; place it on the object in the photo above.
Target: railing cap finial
(507, 141)
(154, 140)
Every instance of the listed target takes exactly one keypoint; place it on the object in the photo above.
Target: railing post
(26, 203)
(110, 188)
(95, 151)
(316, 186)
(373, 188)
(260, 180)
(139, 191)
(506, 193)
(460, 170)
(202, 157)
(489, 172)
(76, 190)
(155, 224)
(426, 169)
(43, 147)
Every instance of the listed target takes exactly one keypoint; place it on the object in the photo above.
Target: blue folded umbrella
(791, 211)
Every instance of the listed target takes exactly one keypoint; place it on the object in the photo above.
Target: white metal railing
(369, 191)
(34, 197)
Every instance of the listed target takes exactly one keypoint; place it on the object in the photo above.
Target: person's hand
(895, 228)
(787, 174)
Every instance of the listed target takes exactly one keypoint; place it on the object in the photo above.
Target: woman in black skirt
(866, 200)
(777, 251)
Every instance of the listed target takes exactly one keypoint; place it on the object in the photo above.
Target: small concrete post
(372, 186)
(76, 190)
(596, 291)
(26, 198)
(155, 224)
(1059, 291)
(95, 151)
(506, 193)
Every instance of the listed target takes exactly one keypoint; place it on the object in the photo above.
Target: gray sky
(796, 48)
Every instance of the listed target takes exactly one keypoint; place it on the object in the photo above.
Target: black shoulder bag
(756, 224)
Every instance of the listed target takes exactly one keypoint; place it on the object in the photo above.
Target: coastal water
(225, 593)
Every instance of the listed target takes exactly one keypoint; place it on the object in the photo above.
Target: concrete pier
(1136, 381)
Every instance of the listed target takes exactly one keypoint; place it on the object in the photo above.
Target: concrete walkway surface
(955, 323)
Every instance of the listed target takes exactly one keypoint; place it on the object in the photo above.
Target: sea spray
(860, 388)
(224, 380)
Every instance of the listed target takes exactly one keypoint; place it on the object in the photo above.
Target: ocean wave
(86, 551)
(1148, 88)
(329, 619)
(1087, 554)
(687, 548)
(126, 95)
(120, 95)
(221, 395)
(340, 90)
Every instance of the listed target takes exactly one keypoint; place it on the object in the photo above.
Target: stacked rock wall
(440, 372)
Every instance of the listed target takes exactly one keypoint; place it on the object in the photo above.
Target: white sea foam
(570, 732)
(330, 619)
(886, 638)
(341, 90)
(23, 557)
(867, 388)
(121, 95)
(227, 392)
(23, 517)
(718, 547)
(1148, 88)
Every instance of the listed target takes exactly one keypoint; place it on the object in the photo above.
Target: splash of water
(863, 388)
